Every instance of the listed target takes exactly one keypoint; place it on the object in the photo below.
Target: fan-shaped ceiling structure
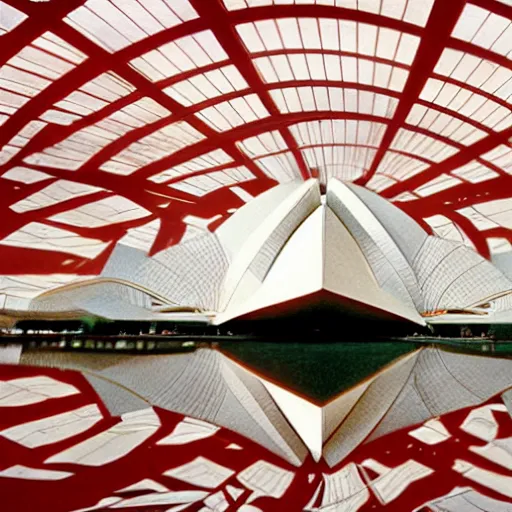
(148, 116)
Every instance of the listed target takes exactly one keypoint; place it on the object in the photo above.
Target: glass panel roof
(120, 114)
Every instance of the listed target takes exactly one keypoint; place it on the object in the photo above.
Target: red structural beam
(40, 19)
(460, 196)
(230, 165)
(272, 123)
(461, 158)
(478, 51)
(149, 89)
(326, 51)
(349, 145)
(499, 232)
(316, 11)
(255, 13)
(442, 20)
(499, 8)
(98, 62)
(104, 233)
(108, 110)
(54, 134)
(146, 194)
(475, 90)
(213, 15)
(477, 237)
(12, 221)
(225, 33)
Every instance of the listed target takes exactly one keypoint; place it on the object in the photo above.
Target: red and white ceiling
(148, 115)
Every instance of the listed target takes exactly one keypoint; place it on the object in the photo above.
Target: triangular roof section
(378, 241)
(320, 261)
(304, 416)
(347, 273)
(252, 262)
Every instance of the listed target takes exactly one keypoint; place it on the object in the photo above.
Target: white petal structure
(305, 418)
(213, 391)
(290, 249)
(396, 101)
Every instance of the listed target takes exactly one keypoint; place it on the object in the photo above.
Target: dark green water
(317, 370)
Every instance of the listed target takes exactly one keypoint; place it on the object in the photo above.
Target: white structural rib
(257, 254)
(304, 417)
(347, 273)
(235, 232)
(390, 260)
(288, 277)
(322, 256)
(369, 409)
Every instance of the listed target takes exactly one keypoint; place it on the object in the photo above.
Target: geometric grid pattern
(61, 433)
(189, 274)
(450, 276)
(162, 108)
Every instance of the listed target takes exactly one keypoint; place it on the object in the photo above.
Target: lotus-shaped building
(292, 249)
(256, 164)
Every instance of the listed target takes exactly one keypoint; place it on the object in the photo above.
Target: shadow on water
(322, 369)
(319, 371)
